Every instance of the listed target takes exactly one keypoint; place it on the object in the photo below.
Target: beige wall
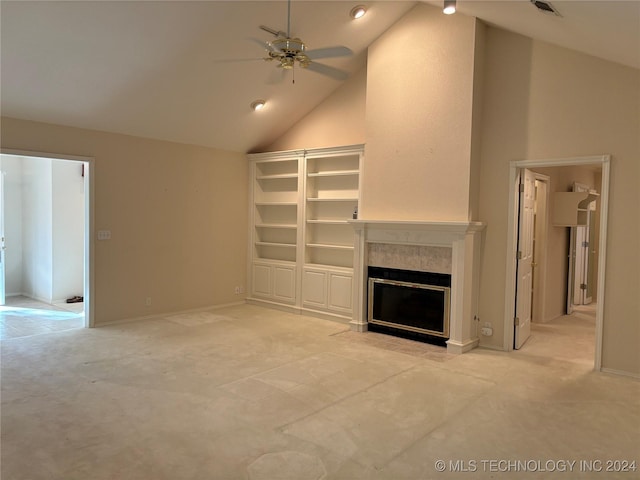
(419, 118)
(339, 120)
(543, 101)
(177, 214)
(504, 138)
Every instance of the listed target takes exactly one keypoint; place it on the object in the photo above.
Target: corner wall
(67, 210)
(37, 225)
(177, 215)
(337, 121)
(420, 83)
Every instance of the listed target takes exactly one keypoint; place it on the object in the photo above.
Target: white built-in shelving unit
(302, 246)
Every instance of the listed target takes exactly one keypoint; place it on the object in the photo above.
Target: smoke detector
(546, 7)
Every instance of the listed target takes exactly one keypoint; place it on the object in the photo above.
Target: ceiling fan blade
(328, 71)
(328, 52)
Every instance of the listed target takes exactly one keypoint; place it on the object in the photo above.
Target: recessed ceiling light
(258, 105)
(358, 11)
(449, 7)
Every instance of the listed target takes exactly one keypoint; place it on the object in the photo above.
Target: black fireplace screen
(409, 305)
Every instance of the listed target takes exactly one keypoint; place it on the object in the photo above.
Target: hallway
(569, 338)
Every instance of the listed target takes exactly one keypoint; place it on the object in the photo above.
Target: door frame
(89, 228)
(604, 162)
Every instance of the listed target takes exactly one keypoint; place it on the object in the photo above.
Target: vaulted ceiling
(187, 71)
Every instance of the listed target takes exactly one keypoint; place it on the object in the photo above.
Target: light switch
(104, 234)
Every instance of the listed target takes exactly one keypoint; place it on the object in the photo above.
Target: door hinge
(583, 286)
(516, 321)
(519, 256)
(585, 244)
(521, 188)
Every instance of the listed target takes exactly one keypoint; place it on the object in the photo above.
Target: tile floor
(251, 393)
(23, 316)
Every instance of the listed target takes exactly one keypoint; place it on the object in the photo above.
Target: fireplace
(448, 248)
(409, 303)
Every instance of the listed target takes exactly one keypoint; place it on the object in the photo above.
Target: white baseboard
(496, 348)
(621, 373)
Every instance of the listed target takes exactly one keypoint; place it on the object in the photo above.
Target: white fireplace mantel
(465, 241)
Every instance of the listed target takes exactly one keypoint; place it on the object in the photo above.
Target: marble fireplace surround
(440, 247)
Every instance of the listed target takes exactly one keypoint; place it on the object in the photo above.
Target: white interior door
(524, 277)
(581, 251)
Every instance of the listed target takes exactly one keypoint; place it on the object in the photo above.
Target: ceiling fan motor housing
(288, 50)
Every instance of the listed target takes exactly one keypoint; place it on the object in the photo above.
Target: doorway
(46, 208)
(512, 307)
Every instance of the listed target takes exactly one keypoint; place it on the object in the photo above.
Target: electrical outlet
(241, 290)
(237, 290)
(487, 331)
(104, 234)
(147, 301)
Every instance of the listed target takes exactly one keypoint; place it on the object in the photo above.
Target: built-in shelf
(276, 225)
(330, 246)
(333, 173)
(277, 177)
(350, 199)
(302, 245)
(279, 245)
(329, 222)
(571, 209)
(266, 204)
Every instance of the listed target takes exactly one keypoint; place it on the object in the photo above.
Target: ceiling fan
(289, 52)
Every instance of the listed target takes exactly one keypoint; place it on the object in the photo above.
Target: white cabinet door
(328, 290)
(314, 288)
(262, 280)
(340, 292)
(274, 282)
(284, 283)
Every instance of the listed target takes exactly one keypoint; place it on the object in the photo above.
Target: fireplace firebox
(409, 303)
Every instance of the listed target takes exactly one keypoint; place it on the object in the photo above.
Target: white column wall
(37, 224)
(12, 169)
(67, 229)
